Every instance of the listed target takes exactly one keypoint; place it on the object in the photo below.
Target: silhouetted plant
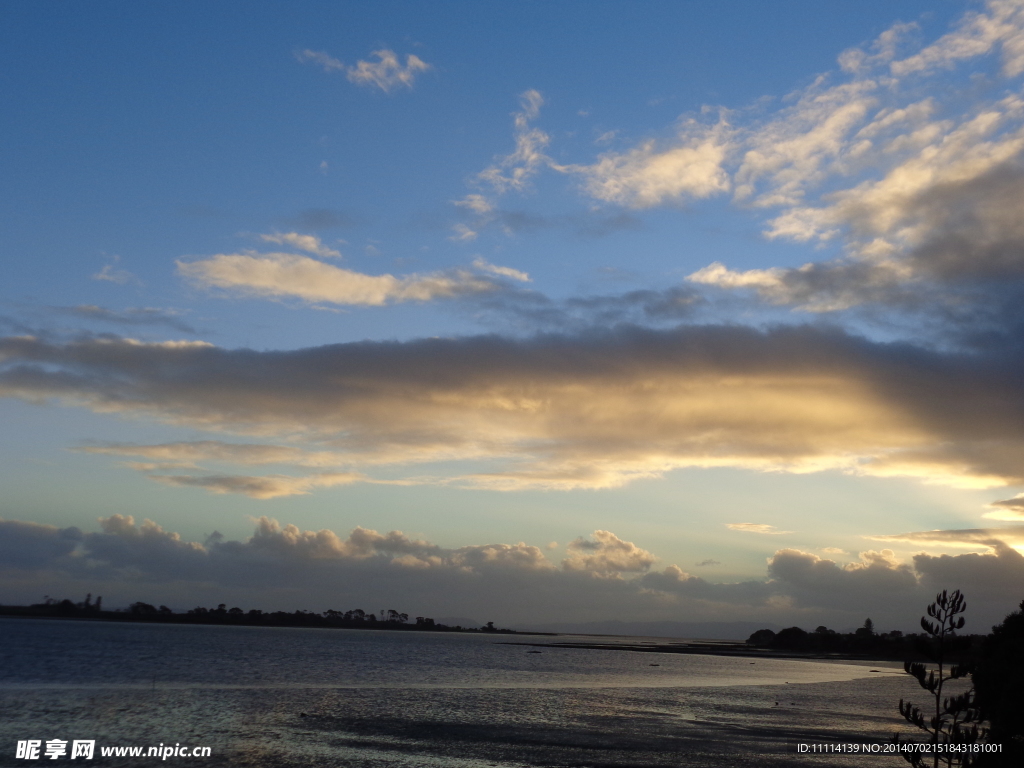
(999, 682)
(956, 719)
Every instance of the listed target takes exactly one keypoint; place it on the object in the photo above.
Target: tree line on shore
(140, 611)
(978, 722)
(864, 641)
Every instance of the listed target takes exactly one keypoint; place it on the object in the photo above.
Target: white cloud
(716, 273)
(513, 171)
(308, 243)
(972, 538)
(607, 554)
(795, 149)
(329, 63)
(387, 72)
(261, 487)
(286, 274)
(494, 269)
(976, 34)
(755, 528)
(476, 203)
(647, 175)
(463, 234)
(112, 274)
(902, 160)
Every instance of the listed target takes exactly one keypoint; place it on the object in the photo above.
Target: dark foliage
(139, 611)
(999, 683)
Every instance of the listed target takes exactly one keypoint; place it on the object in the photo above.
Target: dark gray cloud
(819, 582)
(132, 316)
(590, 409)
(30, 545)
(603, 575)
(945, 262)
(13, 325)
(532, 311)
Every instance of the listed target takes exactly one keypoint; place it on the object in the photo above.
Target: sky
(530, 312)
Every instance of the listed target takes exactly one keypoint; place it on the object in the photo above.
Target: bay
(321, 697)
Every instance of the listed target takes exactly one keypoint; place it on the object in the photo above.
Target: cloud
(386, 73)
(187, 453)
(292, 275)
(463, 234)
(260, 487)
(589, 224)
(475, 203)
(132, 316)
(531, 311)
(602, 576)
(513, 171)
(111, 274)
(907, 164)
(676, 584)
(308, 243)
(977, 33)
(329, 63)
(494, 269)
(708, 562)
(1007, 509)
(814, 581)
(647, 175)
(25, 545)
(755, 528)
(595, 409)
(968, 537)
(607, 554)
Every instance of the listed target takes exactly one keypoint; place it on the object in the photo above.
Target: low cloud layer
(590, 410)
(602, 575)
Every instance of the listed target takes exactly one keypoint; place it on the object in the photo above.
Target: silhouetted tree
(762, 637)
(790, 638)
(956, 719)
(999, 683)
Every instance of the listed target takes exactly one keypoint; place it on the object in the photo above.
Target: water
(314, 697)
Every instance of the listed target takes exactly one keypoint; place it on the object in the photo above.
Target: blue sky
(663, 310)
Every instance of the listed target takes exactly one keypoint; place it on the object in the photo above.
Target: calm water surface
(315, 697)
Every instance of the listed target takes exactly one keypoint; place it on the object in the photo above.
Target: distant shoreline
(713, 648)
(299, 619)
